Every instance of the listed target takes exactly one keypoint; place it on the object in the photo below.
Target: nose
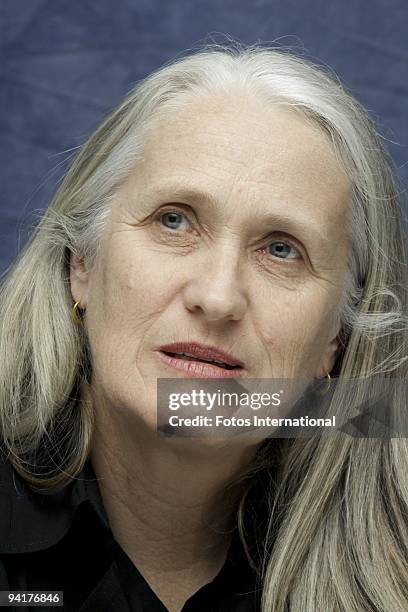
(217, 289)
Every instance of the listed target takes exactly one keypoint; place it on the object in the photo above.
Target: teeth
(201, 359)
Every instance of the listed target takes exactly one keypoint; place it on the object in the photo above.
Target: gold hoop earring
(322, 391)
(74, 314)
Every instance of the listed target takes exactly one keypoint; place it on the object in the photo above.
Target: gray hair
(45, 357)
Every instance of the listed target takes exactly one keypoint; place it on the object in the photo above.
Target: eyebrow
(300, 225)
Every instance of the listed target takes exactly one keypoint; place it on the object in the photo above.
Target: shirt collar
(31, 522)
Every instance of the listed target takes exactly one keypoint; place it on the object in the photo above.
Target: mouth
(201, 361)
(187, 357)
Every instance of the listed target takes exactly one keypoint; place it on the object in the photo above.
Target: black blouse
(63, 542)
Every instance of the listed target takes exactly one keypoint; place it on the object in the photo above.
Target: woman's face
(229, 232)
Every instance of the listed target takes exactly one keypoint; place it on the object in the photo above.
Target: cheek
(135, 285)
(129, 297)
(296, 323)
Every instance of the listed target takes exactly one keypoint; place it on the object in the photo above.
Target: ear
(79, 280)
(328, 359)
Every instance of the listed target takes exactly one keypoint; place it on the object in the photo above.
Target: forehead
(246, 132)
(240, 149)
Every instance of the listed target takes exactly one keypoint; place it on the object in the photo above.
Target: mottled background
(65, 63)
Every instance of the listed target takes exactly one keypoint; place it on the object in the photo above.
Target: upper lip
(202, 350)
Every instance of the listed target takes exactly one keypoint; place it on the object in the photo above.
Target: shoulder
(6, 496)
(11, 488)
(30, 521)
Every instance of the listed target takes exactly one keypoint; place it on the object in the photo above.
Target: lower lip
(198, 369)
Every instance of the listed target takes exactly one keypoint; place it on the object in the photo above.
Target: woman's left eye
(282, 250)
(173, 220)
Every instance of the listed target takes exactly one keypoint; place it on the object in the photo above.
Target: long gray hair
(336, 538)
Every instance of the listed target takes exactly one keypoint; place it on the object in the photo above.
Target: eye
(174, 220)
(282, 250)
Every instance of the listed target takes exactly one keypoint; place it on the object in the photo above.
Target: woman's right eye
(173, 220)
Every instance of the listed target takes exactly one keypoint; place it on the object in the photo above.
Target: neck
(167, 499)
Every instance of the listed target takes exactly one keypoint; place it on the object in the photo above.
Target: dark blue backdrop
(65, 63)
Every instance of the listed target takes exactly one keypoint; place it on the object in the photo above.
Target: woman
(239, 207)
